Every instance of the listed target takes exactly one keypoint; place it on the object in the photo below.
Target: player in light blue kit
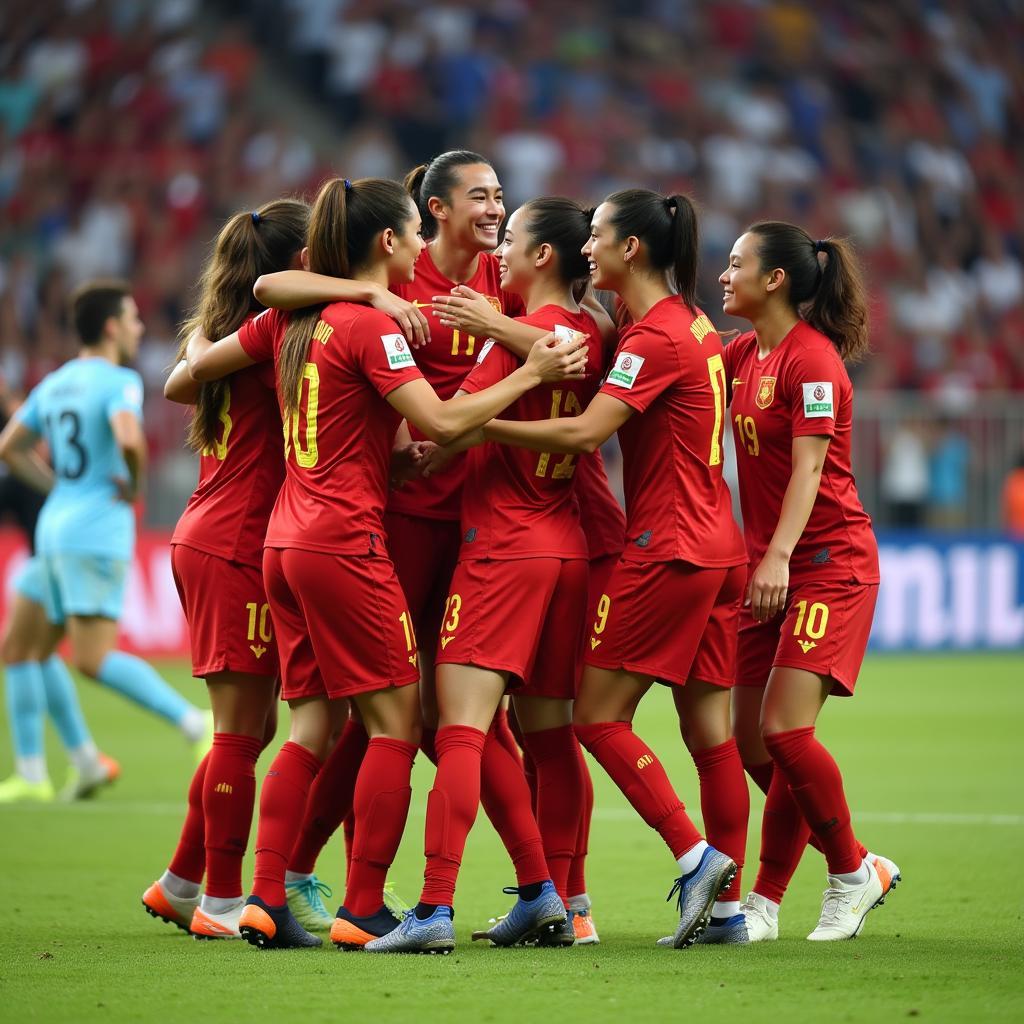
(90, 413)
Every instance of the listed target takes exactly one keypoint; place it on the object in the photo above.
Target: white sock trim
(183, 888)
(690, 860)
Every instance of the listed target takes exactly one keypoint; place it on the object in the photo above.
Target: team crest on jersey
(765, 392)
(495, 302)
(626, 370)
(397, 349)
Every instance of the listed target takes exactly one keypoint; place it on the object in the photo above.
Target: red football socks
(330, 797)
(642, 779)
(724, 804)
(189, 858)
(503, 730)
(560, 798)
(282, 805)
(761, 774)
(428, 744)
(506, 799)
(577, 884)
(817, 787)
(348, 829)
(451, 809)
(380, 808)
(229, 793)
(784, 835)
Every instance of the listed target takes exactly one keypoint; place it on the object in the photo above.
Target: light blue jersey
(72, 408)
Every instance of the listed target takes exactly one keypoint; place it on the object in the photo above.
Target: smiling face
(406, 248)
(604, 252)
(474, 214)
(745, 286)
(518, 256)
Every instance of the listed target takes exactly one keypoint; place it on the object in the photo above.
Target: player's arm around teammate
(665, 396)
(523, 547)
(236, 432)
(345, 378)
(813, 556)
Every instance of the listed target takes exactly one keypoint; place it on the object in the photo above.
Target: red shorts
(342, 624)
(425, 552)
(226, 609)
(525, 616)
(824, 628)
(670, 620)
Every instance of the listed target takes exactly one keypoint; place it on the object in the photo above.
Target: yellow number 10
(306, 456)
(716, 373)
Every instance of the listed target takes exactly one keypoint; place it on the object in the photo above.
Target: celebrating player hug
(404, 529)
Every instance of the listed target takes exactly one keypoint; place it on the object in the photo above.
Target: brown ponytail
(251, 243)
(826, 287)
(345, 219)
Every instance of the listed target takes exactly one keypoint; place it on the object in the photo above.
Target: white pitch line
(601, 813)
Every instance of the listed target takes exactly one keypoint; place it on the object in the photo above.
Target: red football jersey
(669, 368)
(445, 361)
(518, 503)
(801, 388)
(338, 447)
(601, 516)
(239, 475)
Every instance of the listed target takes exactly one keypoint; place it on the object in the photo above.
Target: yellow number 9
(604, 606)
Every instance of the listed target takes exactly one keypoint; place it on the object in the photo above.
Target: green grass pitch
(931, 753)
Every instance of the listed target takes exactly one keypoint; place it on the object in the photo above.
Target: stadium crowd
(130, 131)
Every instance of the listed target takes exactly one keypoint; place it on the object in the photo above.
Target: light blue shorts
(83, 585)
(30, 581)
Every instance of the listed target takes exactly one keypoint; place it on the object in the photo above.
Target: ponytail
(250, 244)
(437, 179)
(667, 225)
(565, 226)
(346, 217)
(826, 287)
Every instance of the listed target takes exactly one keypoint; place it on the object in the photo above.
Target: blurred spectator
(948, 468)
(129, 131)
(904, 483)
(1013, 498)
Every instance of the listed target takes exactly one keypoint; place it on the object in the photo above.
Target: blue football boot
(436, 934)
(696, 894)
(527, 919)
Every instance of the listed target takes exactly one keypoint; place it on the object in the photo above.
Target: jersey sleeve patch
(487, 346)
(626, 370)
(818, 400)
(397, 350)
